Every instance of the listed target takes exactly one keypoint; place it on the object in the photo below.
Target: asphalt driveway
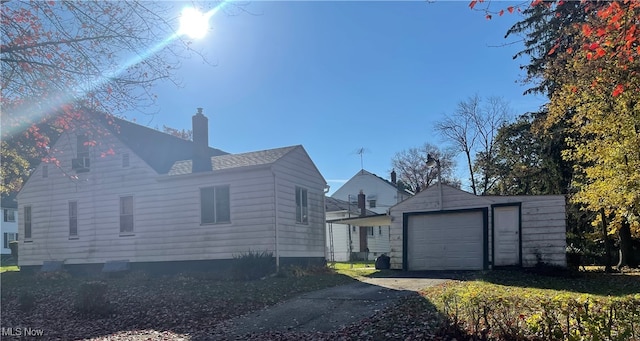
(331, 308)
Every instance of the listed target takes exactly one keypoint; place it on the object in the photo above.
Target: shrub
(92, 299)
(252, 265)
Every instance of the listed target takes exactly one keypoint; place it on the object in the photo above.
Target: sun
(194, 23)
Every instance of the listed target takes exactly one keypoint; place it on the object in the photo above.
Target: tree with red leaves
(62, 59)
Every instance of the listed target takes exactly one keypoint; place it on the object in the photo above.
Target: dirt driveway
(332, 308)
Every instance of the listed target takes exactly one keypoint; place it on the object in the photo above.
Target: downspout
(275, 218)
(324, 219)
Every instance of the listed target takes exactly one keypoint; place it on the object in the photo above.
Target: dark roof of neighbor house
(228, 161)
(334, 205)
(9, 200)
(159, 150)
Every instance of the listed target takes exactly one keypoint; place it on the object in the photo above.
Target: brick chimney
(201, 160)
(393, 176)
(362, 204)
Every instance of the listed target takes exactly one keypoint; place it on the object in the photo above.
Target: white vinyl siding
(126, 214)
(73, 218)
(302, 206)
(215, 205)
(166, 211)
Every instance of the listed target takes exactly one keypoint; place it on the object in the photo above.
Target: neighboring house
(444, 228)
(9, 221)
(380, 195)
(340, 236)
(165, 204)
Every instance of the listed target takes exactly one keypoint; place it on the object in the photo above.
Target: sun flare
(194, 23)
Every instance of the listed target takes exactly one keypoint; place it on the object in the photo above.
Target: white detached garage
(444, 228)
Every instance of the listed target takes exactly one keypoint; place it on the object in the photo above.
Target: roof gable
(446, 191)
(381, 180)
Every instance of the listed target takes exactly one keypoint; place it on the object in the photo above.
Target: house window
(125, 160)
(8, 237)
(302, 206)
(126, 214)
(370, 230)
(372, 203)
(73, 218)
(353, 228)
(215, 206)
(82, 146)
(45, 171)
(81, 163)
(27, 222)
(379, 230)
(9, 215)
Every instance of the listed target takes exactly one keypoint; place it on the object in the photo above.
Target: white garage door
(445, 241)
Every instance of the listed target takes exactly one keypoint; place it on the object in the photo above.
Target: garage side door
(445, 241)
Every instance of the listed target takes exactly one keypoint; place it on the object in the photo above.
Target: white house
(342, 238)
(380, 195)
(163, 203)
(444, 228)
(9, 222)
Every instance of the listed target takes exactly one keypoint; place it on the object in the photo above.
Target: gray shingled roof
(159, 150)
(262, 157)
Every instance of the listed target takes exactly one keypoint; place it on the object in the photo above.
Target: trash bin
(383, 262)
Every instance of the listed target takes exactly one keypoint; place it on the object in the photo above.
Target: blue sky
(339, 76)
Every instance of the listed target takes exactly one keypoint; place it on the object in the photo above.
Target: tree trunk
(473, 179)
(626, 247)
(607, 243)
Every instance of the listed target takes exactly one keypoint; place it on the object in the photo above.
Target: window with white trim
(379, 230)
(73, 218)
(302, 206)
(372, 203)
(215, 205)
(370, 230)
(9, 215)
(8, 237)
(126, 214)
(27, 222)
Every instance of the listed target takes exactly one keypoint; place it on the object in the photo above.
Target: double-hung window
(73, 218)
(302, 206)
(126, 214)
(215, 206)
(27, 222)
(9, 215)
